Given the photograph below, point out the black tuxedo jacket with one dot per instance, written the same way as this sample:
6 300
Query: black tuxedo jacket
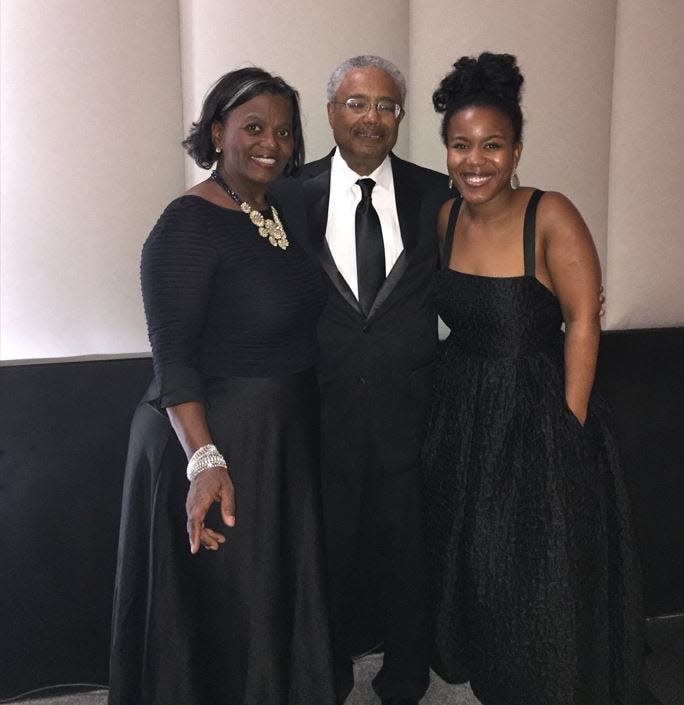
375 371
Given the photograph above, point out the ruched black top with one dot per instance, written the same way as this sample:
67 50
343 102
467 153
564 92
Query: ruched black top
220 301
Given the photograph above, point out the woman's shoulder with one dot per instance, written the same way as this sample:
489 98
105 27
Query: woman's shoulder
192 205
555 204
445 211
184 213
560 225
443 218
184 225
193 212
557 213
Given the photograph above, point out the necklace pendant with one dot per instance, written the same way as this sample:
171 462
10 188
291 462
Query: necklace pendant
257 218
272 229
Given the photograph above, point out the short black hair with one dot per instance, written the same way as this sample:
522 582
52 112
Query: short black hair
490 80
230 91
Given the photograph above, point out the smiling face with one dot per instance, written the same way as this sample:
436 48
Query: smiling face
365 140
481 153
256 143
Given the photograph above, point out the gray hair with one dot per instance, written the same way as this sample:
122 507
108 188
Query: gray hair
362 62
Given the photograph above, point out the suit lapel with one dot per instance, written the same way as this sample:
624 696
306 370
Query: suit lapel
317 196
405 197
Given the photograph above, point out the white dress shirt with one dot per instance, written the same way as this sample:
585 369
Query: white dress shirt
345 195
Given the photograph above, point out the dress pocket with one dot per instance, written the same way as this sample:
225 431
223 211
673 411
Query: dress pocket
574 421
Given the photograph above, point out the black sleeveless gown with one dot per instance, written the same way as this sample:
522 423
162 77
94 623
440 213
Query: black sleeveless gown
534 580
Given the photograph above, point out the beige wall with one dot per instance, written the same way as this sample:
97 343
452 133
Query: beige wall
645 268
91 121
303 43
96 97
565 51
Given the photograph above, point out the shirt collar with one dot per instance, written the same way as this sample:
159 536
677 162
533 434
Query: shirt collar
346 177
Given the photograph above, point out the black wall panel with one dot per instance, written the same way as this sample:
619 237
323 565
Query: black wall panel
642 374
63 438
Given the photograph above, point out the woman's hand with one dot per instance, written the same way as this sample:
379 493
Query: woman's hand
581 416
211 485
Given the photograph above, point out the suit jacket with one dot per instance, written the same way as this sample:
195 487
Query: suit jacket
375 371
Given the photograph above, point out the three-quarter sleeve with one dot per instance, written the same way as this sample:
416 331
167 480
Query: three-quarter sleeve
177 271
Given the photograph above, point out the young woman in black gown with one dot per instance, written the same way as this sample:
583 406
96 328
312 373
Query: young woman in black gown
231 301
534 577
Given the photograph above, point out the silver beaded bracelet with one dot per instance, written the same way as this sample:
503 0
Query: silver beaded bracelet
205 457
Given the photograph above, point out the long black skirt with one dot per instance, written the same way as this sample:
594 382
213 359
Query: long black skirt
248 624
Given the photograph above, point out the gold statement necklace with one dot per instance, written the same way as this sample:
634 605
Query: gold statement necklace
271 229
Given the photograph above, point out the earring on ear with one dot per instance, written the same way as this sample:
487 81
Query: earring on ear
451 183
515 181
217 150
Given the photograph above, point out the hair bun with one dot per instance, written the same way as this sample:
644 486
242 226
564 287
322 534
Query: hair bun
501 73
487 80
488 74
457 82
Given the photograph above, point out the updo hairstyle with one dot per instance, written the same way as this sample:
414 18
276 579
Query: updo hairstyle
231 91
490 80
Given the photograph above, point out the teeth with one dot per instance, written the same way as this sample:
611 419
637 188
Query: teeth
268 161
476 180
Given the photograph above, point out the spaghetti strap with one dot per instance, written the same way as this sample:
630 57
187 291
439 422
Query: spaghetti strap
451 229
529 230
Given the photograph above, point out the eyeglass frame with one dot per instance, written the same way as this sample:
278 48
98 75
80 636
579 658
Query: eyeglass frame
398 110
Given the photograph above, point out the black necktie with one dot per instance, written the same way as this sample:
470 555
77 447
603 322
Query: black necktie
370 248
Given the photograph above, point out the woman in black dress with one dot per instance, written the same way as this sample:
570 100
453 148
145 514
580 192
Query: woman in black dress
535 582
231 301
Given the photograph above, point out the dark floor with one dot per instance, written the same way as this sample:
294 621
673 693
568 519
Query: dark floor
663 677
439 692
664 668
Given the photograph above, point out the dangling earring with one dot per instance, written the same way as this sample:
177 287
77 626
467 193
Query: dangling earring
515 181
451 183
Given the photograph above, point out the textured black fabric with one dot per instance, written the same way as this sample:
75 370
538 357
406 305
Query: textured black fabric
248 624
370 248
534 579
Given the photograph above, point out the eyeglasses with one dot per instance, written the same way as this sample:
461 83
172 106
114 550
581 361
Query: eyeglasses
360 106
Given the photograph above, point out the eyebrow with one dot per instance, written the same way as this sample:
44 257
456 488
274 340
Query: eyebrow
260 116
380 97
496 135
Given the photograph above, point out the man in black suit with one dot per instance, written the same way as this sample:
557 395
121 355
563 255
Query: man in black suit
378 336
